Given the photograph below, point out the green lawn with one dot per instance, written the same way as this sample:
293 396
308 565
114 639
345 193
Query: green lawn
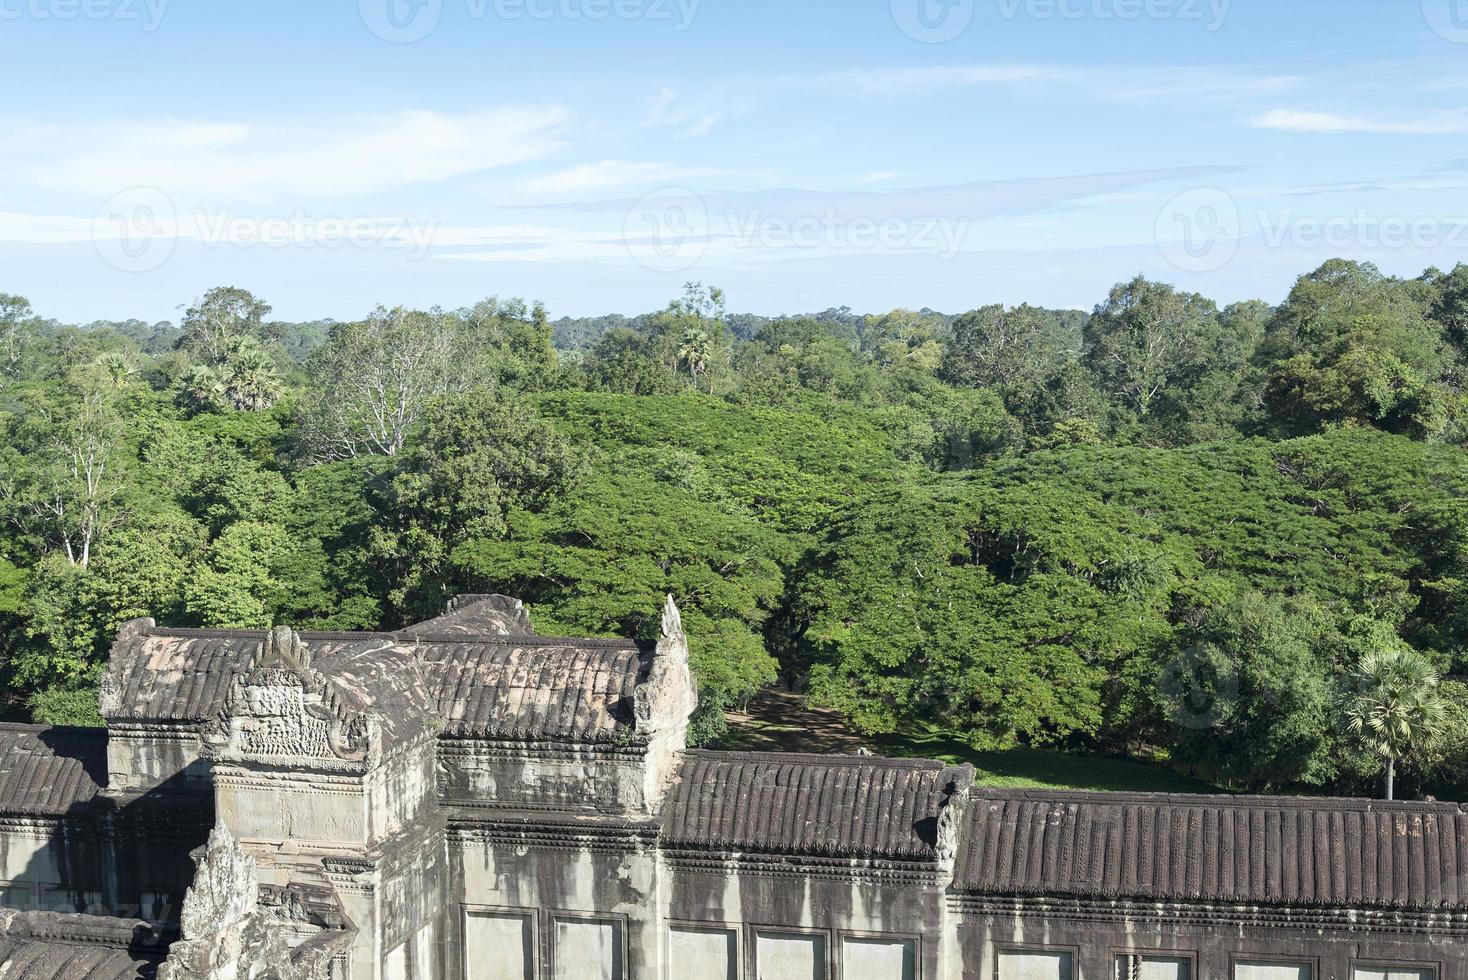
1040 769
783 722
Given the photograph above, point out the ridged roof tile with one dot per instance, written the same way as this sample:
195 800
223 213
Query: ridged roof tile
1257 850
809 805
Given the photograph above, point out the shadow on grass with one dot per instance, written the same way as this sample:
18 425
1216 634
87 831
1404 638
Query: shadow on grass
780 721
1041 769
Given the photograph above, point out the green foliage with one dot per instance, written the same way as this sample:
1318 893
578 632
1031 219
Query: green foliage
75 706
1394 706
1160 528
473 461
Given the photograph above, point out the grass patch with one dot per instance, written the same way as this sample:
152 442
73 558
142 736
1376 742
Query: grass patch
1041 769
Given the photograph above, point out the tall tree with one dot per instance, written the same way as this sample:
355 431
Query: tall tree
1353 346
1395 706
63 483
992 347
374 379
14 312
1146 338
213 325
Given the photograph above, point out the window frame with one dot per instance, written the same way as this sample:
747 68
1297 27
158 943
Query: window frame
1074 950
828 966
466 909
693 925
1371 962
555 917
1235 958
1191 955
915 938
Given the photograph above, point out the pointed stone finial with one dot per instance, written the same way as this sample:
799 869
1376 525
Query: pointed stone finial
283 648
672 620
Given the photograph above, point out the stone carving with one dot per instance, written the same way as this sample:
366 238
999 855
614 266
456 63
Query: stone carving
673 622
668 696
282 710
226 935
950 814
284 649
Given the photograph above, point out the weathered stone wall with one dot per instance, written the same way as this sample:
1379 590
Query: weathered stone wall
103 860
565 777
517 887
1209 941
144 758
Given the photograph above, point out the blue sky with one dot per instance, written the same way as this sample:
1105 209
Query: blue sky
333 155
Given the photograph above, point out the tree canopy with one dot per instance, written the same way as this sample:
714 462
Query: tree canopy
1160 528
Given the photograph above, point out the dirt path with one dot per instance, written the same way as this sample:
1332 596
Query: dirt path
778 721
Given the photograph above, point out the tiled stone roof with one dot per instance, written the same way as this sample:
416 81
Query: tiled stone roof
479 615
49 946
49 771
810 805
520 686
1255 850
532 688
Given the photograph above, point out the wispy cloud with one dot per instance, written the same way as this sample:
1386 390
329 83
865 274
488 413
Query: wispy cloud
223 161
618 174
1298 121
1120 84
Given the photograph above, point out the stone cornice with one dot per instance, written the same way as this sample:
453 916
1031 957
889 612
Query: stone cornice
1209 914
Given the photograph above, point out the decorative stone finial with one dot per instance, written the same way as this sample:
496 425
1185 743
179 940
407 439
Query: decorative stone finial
226 935
672 620
283 648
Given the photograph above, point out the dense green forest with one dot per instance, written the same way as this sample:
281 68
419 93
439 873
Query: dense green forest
1161 529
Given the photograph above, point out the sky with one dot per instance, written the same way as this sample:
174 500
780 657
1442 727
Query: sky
336 155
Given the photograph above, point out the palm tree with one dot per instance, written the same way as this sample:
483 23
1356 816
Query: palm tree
1395 706
695 353
116 368
251 376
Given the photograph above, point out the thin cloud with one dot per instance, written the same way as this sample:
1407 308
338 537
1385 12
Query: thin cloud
1296 121
1119 84
222 161
611 174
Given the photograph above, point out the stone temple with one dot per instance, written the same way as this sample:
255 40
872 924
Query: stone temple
467 799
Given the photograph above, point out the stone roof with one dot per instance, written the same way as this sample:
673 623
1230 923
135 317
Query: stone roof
513 685
813 805
50 771
578 690
52 946
1255 850
479 615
